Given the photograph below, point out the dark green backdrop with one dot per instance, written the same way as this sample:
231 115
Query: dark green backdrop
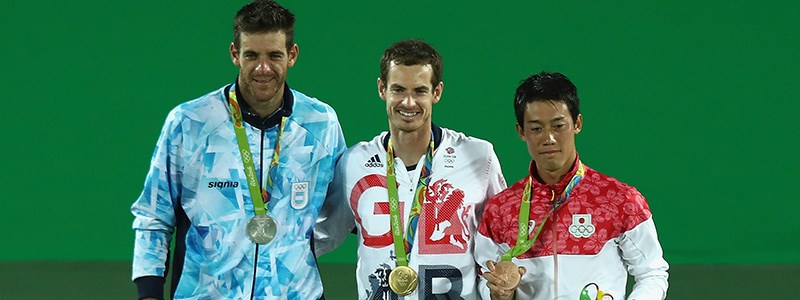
692 102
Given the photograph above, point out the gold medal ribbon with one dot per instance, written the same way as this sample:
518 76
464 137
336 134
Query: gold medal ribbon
402 247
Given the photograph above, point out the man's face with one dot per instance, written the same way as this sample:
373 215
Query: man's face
409 96
263 61
549 132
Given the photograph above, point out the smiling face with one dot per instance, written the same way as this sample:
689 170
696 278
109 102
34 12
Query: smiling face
409 96
549 132
263 62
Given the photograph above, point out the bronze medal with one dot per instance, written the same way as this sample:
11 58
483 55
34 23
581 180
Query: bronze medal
403 280
508 272
261 229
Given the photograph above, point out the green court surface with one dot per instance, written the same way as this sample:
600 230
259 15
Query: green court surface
111 280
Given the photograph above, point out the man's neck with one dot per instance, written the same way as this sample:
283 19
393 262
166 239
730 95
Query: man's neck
556 176
264 108
410 146
551 177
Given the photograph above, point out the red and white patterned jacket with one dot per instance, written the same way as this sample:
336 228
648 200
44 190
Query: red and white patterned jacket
603 232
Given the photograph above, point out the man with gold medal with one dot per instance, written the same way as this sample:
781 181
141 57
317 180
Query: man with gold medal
416 191
565 231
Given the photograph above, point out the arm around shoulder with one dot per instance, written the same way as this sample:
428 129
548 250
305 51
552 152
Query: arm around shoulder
335 221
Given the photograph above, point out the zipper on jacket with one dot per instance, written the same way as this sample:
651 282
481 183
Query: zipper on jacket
553 220
255 260
555 255
255 269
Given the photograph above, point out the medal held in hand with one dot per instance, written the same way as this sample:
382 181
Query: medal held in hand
403 280
508 272
261 229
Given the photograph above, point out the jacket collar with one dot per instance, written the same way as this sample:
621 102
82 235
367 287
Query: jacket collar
437 137
249 116
561 184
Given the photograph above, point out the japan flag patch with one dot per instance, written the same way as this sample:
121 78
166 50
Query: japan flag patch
582 226
299 194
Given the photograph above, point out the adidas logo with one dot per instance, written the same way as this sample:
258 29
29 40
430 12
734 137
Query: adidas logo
374 162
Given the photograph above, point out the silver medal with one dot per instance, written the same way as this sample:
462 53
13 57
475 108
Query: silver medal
261 229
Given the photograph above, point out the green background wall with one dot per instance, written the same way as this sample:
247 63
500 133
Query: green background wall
692 102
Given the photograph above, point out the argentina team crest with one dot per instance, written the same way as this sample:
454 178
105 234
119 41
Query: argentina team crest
299 194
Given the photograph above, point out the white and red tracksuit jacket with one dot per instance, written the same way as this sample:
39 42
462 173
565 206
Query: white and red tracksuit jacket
465 173
603 232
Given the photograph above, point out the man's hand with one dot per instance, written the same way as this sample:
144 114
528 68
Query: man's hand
495 282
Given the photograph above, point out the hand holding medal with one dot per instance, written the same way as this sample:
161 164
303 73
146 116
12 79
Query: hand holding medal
505 274
503 278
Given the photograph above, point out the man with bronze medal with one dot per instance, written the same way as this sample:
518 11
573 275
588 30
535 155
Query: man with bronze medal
416 190
565 229
239 177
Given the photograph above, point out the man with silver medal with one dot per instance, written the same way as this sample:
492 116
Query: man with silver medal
216 184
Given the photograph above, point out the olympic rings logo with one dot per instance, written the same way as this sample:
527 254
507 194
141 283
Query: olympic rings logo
581 226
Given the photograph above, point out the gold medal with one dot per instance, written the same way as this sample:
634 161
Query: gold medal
403 280
508 272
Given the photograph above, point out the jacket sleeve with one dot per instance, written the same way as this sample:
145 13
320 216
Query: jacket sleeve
497 182
643 256
335 219
485 250
154 214
486 245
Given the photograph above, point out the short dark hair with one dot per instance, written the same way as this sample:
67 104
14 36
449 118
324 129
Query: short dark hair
263 16
546 86
412 52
